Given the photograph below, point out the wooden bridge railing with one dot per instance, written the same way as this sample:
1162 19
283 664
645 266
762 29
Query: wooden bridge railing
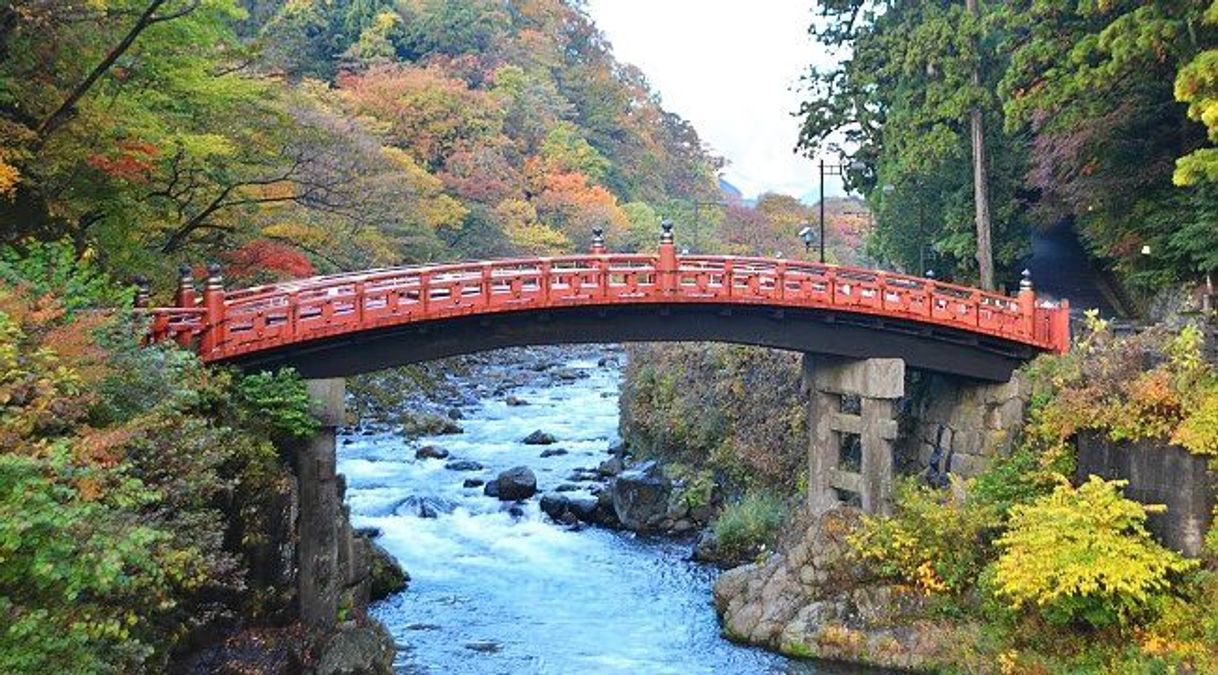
225 324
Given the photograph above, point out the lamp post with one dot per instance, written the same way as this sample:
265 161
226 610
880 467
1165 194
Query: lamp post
827 169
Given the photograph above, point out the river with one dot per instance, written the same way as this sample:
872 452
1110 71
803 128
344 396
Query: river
501 592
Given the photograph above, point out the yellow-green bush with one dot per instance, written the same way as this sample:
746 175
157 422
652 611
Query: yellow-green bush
1083 555
935 540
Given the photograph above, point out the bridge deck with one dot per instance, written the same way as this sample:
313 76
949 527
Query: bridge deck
231 325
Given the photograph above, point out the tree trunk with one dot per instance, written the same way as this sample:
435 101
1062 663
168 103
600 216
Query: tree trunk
981 193
67 107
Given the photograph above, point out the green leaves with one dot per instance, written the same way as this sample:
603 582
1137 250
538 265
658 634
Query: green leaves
277 401
902 94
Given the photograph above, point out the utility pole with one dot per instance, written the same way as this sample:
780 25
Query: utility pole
822 210
981 196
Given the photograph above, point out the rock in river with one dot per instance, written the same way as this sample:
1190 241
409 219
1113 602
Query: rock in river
539 437
553 452
640 496
518 482
385 575
430 452
427 506
463 465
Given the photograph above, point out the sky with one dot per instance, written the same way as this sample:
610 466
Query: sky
732 69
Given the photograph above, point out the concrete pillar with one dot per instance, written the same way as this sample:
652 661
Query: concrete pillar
320 581
835 417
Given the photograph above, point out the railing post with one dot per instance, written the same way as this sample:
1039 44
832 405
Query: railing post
1027 305
185 298
666 268
1061 327
598 241
547 268
213 305
488 277
186 288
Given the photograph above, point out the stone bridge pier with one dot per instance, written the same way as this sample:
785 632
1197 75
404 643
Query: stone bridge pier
332 563
852 424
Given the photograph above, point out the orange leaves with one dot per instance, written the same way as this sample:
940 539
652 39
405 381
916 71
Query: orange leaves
573 206
130 160
422 110
262 257
8 179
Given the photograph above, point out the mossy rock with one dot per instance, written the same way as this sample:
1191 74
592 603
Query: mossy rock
386 576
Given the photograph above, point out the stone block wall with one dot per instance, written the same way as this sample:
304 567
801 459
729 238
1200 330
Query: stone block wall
1158 473
980 420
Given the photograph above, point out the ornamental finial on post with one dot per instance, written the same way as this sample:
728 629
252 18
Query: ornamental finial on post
666 231
598 240
213 306
215 280
1025 281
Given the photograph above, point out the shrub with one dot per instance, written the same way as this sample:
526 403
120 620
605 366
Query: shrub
746 525
936 540
277 402
1083 555
54 268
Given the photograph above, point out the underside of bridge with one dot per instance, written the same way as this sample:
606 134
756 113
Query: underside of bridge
831 333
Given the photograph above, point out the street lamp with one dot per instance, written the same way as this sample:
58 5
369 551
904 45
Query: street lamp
831 170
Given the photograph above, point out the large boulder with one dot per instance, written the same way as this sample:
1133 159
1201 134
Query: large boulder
812 598
640 496
518 482
568 509
427 424
357 650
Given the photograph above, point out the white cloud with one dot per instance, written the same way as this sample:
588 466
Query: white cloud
732 69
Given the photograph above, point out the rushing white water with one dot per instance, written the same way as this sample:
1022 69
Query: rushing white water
497 592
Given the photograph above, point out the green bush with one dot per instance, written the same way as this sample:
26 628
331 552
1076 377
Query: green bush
1083 555
277 402
743 526
54 268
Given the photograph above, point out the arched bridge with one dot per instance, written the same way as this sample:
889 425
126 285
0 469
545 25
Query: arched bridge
340 325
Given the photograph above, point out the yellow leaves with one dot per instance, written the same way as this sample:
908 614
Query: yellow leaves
205 145
1083 554
9 176
1198 432
519 221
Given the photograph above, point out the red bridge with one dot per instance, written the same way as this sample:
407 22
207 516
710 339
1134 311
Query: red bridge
333 326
